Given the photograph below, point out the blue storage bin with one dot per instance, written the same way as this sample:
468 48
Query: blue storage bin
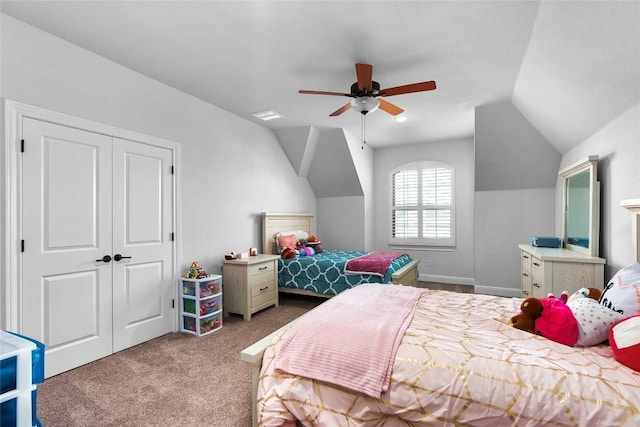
21 368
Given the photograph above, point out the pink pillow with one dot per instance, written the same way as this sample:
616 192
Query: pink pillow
624 338
290 241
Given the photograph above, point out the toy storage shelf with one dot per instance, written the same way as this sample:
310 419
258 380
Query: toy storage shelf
201 304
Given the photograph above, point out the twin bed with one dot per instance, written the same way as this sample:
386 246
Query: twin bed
458 362
324 274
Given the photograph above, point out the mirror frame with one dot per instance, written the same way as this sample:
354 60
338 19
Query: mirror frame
590 164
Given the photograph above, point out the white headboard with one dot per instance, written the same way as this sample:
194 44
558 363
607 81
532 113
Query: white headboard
634 206
273 223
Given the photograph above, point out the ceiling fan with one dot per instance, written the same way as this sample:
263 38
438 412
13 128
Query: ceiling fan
366 93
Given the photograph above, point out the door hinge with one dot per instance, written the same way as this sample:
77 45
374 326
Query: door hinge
172 170
173 303
173 236
22 245
22 145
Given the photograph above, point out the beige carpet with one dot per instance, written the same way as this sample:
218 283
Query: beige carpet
174 380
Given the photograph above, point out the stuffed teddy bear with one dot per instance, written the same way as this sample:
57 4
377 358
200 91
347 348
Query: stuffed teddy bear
551 319
530 310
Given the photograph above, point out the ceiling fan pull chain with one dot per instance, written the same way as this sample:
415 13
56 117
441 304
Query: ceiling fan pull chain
363 131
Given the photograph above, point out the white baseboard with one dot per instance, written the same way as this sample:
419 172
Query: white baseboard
498 291
447 279
470 281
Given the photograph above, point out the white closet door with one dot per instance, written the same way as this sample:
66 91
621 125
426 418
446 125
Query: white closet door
67 230
142 226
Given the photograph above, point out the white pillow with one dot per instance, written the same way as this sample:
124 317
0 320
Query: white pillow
622 293
594 321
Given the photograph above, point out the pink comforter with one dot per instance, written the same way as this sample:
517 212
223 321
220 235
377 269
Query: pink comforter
358 357
376 263
459 363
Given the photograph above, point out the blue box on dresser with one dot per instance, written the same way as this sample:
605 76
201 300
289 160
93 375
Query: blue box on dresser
546 241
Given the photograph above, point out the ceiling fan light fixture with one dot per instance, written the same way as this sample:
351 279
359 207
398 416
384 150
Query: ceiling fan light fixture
365 104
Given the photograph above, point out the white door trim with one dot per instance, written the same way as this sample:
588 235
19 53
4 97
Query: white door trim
10 209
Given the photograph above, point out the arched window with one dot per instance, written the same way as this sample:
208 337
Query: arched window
422 202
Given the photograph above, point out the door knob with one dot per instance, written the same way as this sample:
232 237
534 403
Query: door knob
106 258
118 257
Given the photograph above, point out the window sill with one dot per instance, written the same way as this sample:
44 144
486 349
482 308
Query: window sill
423 247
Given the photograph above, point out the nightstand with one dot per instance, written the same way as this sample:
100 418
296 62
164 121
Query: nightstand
250 284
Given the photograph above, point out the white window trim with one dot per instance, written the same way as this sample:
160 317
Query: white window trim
420 242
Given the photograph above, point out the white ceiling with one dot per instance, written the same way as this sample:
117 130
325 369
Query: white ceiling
570 67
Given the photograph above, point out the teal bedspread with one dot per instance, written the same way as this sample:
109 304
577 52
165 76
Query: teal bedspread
324 273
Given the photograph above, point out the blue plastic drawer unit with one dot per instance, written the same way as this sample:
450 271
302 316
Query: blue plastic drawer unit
21 368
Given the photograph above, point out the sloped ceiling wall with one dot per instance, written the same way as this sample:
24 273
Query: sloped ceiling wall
324 158
581 69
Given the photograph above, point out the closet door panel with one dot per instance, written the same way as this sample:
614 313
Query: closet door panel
142 227
66 227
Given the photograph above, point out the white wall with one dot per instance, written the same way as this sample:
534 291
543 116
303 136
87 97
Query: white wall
618 146
448 266
232 169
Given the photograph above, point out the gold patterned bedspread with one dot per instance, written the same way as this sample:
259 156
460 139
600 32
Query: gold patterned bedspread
459 363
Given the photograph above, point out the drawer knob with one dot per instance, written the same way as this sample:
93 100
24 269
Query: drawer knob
263 268
536 264
525 274
536 285
525 292
264 289
525 256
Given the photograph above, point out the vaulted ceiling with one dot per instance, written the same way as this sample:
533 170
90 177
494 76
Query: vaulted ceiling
570 67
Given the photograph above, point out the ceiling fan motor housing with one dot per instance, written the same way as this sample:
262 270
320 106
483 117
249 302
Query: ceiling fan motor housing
356 92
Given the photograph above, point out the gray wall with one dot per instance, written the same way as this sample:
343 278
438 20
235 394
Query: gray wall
618 146
232 169
516 170
442 265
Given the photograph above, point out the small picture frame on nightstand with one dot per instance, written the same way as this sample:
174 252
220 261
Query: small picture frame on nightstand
253 251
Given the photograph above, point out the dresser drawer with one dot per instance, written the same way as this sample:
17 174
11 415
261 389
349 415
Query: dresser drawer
537 277
525 262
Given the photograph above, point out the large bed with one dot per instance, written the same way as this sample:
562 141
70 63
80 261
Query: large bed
457 362
324 274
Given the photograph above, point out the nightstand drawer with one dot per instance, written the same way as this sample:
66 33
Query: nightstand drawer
263 294
266 267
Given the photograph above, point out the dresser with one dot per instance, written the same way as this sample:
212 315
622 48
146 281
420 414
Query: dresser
553 270
250 284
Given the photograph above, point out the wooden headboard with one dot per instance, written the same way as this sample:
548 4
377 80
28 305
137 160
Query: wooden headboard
273 223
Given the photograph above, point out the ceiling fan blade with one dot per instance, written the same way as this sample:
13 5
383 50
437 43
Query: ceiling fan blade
390 108
364 73
414 87
320 92
341 110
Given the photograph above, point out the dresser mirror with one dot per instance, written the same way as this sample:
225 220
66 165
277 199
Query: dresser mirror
581 206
